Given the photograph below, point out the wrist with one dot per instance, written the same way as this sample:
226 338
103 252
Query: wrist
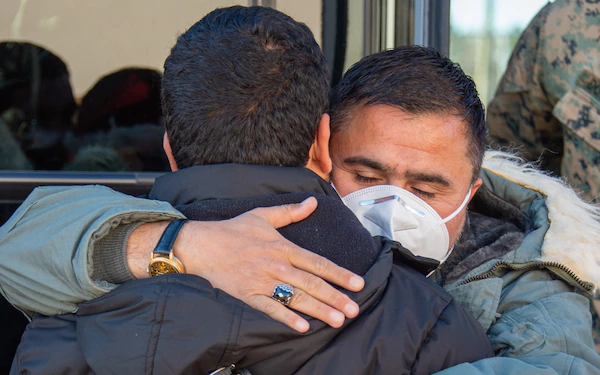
164 261
140 245
193 236
109 255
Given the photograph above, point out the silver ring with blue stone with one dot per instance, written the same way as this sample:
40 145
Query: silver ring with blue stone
283 294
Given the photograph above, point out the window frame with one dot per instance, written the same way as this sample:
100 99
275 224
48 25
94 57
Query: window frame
428 24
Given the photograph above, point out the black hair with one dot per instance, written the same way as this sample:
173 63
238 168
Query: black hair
417 80
244 85
19 61
125 98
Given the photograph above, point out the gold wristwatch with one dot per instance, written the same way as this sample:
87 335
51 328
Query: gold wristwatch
163 262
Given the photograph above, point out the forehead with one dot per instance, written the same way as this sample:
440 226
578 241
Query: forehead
395 122
405 142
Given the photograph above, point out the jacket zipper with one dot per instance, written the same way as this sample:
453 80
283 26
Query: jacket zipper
571 277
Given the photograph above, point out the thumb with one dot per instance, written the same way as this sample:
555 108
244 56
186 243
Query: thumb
280 216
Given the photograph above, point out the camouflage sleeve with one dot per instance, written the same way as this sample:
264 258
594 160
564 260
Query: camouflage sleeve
520 115
579 112
548 101
571 81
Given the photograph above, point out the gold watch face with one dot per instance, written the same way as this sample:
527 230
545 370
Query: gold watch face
162 266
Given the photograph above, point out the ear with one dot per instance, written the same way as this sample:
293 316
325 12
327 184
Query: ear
169 152
476 185
319 160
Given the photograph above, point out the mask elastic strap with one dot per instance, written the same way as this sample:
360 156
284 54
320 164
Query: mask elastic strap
463 204
333 186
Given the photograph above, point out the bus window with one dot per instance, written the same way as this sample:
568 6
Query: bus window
80 83
483 34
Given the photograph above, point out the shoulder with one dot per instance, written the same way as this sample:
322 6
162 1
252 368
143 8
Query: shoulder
442 331
334 232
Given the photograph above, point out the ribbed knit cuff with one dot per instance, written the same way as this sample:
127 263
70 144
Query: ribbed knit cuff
109 258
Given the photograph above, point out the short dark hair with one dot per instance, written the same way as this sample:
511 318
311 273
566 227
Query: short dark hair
417 80
244 85
17 63
125 98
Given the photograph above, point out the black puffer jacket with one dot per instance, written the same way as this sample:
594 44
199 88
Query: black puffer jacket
179 324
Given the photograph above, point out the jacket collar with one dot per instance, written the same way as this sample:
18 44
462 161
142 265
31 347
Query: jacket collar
557 214
244 181
235 181
543 211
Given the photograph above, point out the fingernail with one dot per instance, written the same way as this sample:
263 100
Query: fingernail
302 326
351 309
356 282
304 202
337 317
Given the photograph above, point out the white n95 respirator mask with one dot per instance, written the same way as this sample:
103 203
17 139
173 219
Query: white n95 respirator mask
395 213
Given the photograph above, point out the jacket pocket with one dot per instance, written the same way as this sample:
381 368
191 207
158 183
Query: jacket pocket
579 112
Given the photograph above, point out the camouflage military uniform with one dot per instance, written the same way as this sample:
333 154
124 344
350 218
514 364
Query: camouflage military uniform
548 102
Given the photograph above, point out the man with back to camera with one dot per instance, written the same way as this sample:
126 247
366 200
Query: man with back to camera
510 268
236 141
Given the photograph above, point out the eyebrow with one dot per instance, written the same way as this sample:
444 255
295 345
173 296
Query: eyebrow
427 177
369 163
433 178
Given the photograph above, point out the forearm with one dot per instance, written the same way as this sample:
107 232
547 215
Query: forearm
139 247
59 247
47 246
124 253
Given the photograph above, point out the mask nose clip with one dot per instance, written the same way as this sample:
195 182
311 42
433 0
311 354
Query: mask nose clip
408 207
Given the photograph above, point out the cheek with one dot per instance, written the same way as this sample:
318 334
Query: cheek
455 227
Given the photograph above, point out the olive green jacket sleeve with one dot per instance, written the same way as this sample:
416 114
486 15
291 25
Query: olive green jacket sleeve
55 230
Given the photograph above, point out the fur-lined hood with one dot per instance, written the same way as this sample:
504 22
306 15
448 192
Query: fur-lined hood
573 237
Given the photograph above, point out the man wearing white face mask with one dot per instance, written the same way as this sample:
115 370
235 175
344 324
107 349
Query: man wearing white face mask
402 118
219 109
407 153
392 212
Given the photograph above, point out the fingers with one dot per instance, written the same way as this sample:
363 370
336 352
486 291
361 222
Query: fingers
279 312
305 303
325 269
265 260
317 298
280 216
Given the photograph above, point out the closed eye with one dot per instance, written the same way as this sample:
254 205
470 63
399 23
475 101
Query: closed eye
366 180
422 193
